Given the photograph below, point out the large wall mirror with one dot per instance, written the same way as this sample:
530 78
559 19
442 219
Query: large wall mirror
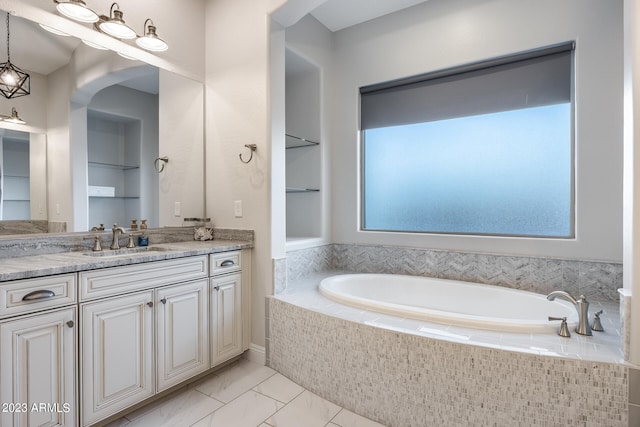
96 123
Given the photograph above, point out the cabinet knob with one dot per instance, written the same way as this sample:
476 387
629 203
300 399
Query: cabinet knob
150 303
163 300
217 288
70 323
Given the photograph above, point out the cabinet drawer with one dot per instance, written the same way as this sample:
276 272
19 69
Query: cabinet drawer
225 262
22 296
111 281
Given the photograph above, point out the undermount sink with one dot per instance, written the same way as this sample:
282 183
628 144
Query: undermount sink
127 251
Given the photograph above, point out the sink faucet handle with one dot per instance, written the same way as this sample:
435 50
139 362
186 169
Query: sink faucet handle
564 329
131 243
96 242
597 324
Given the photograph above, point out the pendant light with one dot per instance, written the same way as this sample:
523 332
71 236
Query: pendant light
13 81
76 10
150 40
114 25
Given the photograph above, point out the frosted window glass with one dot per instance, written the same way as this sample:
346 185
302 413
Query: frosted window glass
507 173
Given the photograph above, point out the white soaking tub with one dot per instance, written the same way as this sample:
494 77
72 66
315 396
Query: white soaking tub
450 302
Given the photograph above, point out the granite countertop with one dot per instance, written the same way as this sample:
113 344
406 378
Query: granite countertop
26 267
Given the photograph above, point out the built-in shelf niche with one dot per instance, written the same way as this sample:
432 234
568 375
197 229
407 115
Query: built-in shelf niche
113 151
292 141
303 149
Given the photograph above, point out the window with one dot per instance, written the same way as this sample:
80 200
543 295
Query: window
486 149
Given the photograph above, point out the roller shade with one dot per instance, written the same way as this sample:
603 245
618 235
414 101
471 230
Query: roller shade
530 79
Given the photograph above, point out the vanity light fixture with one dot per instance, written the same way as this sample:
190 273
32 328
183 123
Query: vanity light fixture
93 45
13 118
54 31
131 58
13 81
76 10
150 40
114 24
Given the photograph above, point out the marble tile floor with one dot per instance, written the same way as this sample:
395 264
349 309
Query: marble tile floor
243 394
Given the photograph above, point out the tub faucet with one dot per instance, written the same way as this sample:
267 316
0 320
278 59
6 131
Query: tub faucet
581 305
115 244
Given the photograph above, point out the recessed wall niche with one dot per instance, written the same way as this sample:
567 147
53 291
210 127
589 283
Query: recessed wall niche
113 153
303 154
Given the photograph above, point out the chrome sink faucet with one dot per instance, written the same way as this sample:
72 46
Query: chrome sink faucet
115 244
581 305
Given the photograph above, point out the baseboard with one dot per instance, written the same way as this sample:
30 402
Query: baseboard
256 353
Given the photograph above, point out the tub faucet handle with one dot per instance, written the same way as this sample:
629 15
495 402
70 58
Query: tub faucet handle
597 324
564 329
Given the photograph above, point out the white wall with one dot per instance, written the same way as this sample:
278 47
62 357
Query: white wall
442 33
38 172
631 264
182 141
237 113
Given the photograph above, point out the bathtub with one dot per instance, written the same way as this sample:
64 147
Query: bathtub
450 302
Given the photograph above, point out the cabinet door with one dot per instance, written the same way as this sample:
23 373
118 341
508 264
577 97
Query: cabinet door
38 370
117 354
226 317
182 332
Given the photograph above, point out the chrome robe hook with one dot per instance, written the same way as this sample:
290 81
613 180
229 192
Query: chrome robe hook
252 147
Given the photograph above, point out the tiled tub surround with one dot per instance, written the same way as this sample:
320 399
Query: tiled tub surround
403 372
402 379
596 280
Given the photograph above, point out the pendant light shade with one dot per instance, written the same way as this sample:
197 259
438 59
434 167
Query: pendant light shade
13 81
76 10
150 40
114 25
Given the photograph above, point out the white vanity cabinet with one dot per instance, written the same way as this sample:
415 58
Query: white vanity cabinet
78 348
38 357
230 305
150 337
226 317
138 344
182 342
117 357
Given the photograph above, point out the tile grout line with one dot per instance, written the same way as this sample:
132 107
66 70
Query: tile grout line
285 404
235 398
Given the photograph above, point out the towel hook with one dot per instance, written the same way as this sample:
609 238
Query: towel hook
160 167
252 147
